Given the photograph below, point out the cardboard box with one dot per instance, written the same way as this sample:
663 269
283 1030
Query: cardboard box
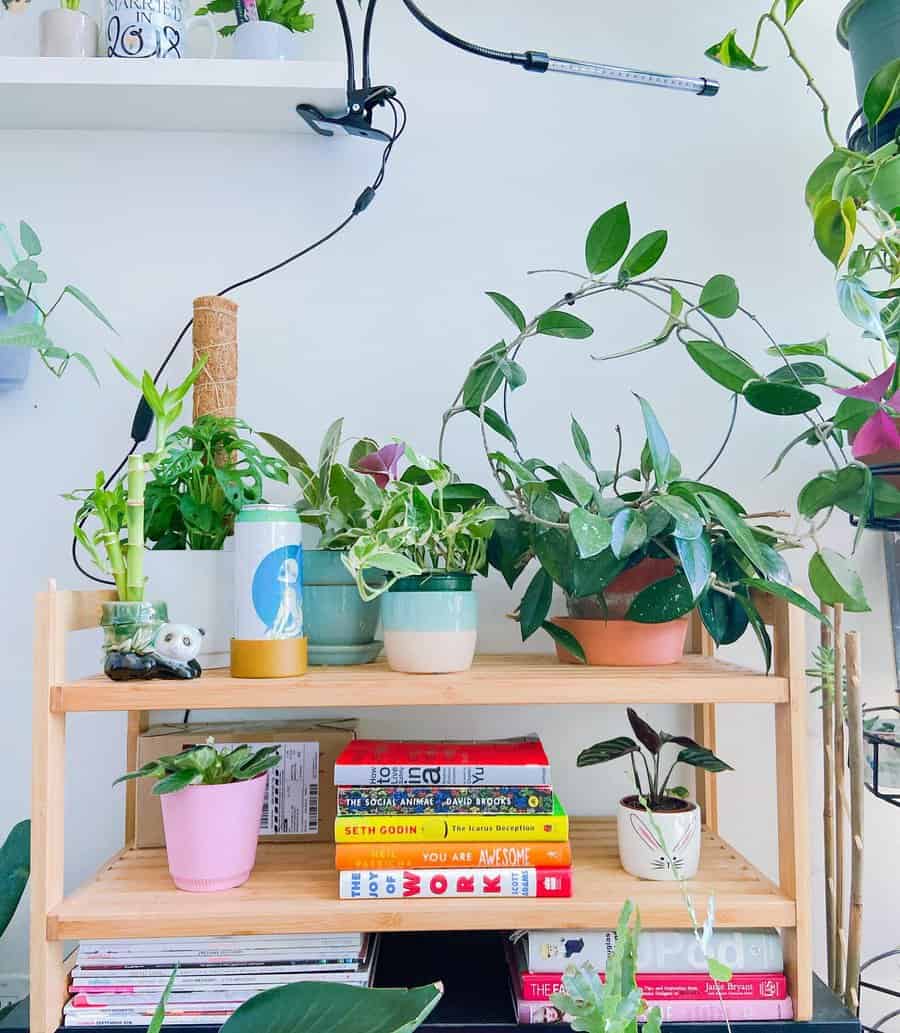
300 794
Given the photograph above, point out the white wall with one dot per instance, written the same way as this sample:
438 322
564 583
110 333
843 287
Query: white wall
500 172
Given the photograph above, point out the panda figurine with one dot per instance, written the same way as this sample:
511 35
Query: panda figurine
173 654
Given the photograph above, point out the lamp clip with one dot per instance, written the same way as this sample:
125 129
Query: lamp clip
357 120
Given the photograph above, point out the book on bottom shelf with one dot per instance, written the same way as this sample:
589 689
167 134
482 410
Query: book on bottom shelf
452 855
531 1013
396 884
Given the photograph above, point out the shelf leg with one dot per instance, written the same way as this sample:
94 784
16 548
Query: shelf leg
794 873
700 643
48 970
138 721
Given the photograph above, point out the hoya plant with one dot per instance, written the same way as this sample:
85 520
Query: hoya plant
116 542
205 764
20 284
342 500
652 782
209 470
614 1004
429 522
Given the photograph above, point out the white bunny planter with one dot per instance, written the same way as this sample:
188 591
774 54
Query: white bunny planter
641 851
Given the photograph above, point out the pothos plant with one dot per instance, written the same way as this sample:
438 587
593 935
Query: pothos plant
116 545
17 292
209 470
288 13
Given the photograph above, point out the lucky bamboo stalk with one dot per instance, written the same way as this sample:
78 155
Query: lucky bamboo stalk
135 523
857 805
110 539
826 641
840 806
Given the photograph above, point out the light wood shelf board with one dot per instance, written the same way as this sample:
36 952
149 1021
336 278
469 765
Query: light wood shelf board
520 680
294 888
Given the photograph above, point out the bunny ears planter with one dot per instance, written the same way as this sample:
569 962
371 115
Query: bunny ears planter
659 845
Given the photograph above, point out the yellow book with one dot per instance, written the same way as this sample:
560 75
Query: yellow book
461 828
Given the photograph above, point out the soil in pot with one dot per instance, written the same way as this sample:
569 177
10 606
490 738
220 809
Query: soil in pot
664 847
608 639
430 623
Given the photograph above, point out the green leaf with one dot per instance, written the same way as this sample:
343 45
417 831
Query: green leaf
722 365
513 373
582 444
729 53
535 603
566 639
15 864
629 532
882 92
563 324
497 424
159 1012
718 970
828 489
29 240
657 443
798 372
780 399
316 1007
392 562
738 529
820 184
835 582
484 378
29 271
696 562
759 628
720 297
723 617
607 239
83 360
26 335
834 224
790 9
508 308
819 347
644 254
126 372
581 489
663 601
783 592
176 781
83 299
610 749
700 757
592 533
852 413
688 522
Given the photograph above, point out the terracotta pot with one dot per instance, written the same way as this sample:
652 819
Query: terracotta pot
624 643
620 592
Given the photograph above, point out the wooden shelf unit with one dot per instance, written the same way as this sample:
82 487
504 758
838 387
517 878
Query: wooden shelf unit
294 887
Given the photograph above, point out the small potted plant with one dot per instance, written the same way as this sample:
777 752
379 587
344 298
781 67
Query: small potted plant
139 641
870 30
658 827
209 469
266 29
431 539
338 503
23 318
212 801
66 31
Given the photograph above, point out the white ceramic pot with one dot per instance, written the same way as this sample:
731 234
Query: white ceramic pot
198 586
643 854
264 41
65 33
430 623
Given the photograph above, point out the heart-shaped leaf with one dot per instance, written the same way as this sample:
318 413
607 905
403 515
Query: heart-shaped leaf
834 224
592 533
729 53
720 297
629 532
882 92
835 581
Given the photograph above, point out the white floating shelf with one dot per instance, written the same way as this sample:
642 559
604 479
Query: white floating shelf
215 95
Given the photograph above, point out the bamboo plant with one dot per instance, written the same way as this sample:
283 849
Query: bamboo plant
118 507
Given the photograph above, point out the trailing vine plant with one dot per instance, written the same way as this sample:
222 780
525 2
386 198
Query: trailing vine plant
721 553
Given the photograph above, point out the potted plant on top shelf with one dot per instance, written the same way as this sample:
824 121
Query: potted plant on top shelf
23 318
67 31
265 29
209 470
431 538
212 800
658 828
139 641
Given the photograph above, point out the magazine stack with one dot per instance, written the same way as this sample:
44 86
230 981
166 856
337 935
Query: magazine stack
120 982
672 973
449 819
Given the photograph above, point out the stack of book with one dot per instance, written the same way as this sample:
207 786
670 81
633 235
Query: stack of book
671 973
449 819
120 982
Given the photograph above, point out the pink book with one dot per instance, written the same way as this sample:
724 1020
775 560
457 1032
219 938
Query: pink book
537 1012
688 986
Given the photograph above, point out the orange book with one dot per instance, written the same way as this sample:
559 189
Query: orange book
355 856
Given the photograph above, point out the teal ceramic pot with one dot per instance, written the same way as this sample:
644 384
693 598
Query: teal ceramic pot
340 626
430 623
15 360
870 29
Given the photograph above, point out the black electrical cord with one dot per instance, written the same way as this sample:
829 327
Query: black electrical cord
143 417
472 48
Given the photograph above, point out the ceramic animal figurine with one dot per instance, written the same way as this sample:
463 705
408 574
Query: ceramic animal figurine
172 653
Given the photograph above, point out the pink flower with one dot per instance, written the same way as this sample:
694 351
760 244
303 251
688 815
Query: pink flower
382 465
872 390
877 433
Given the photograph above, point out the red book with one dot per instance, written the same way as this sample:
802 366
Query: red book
402 884
534 1013
510 762
691 986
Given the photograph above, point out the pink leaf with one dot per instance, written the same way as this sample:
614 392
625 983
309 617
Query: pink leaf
382 465
877 433
873 390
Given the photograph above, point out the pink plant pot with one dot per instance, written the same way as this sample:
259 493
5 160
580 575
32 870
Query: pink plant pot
211 834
